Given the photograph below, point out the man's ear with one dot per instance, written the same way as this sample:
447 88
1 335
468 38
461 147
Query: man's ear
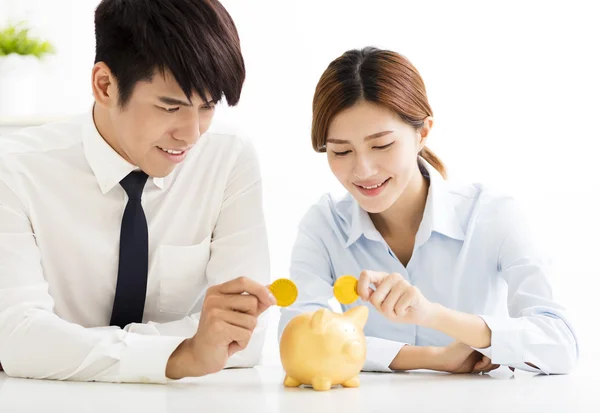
104 86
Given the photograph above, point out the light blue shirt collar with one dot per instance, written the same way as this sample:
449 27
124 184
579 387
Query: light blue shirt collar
439 215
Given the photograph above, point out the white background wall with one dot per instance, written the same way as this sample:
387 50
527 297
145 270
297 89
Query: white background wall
514 86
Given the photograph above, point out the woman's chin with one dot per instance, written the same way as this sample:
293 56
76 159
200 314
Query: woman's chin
373 206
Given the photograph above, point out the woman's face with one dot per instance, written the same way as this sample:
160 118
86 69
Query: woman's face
373 153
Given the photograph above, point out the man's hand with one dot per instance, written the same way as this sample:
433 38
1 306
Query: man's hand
228 318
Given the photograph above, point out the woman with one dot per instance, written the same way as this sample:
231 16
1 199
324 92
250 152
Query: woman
451 276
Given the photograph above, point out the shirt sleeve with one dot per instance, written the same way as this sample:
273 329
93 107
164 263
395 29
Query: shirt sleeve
36 343
537 332
312 273
239 247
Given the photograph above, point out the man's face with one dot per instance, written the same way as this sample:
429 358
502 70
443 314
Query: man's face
158 125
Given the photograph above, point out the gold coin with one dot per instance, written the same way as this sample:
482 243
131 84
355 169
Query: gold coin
345 289
285 291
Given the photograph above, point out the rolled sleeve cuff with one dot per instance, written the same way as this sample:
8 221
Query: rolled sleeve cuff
145 358
380 354
506 344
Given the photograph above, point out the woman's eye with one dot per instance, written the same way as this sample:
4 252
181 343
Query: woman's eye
341 153
384 146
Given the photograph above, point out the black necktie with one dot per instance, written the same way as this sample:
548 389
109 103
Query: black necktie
130 296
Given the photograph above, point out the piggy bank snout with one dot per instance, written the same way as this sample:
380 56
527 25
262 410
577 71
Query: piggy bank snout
354 351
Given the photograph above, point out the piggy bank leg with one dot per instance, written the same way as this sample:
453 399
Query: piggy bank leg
353 382
290 382
321 383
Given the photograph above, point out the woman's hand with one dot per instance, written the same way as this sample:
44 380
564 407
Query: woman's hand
454 358
485 365
460 358
395 298
457 358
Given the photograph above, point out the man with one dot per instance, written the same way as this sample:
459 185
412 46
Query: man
132 244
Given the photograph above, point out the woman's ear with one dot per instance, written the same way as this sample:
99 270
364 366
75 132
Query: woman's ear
424 132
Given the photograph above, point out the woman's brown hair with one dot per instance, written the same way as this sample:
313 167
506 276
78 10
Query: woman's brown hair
379 76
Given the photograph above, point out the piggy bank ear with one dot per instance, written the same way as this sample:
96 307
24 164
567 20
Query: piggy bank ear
359 315
320 319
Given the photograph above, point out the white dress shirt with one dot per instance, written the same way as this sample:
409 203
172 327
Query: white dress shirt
61 207
473 253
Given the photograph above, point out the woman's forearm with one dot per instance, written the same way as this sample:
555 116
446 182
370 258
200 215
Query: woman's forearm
415 358
466 328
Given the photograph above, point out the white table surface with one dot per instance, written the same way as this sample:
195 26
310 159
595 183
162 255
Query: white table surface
260 390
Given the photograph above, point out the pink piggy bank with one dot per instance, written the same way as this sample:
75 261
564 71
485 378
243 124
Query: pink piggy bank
324 349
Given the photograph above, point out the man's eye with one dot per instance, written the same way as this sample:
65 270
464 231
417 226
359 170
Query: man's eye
170 110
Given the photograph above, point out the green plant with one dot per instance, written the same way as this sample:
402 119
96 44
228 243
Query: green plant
16 39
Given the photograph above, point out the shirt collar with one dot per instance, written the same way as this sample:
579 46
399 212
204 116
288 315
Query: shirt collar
439 215
361 224
108 166
440 212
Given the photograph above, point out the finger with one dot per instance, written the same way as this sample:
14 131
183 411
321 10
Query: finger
244 303
262 307
362 288
234 348
482 364
365 279
471 360
236 334
404 302
238 319
387 307
239 344
382 291
490 368
246 285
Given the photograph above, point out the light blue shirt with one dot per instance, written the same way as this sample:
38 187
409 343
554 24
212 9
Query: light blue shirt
473 253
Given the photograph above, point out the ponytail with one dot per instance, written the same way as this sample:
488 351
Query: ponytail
434 161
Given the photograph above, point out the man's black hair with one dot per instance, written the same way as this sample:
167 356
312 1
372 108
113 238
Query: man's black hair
195 40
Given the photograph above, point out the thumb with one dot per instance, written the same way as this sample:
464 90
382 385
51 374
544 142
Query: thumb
481 364
366 278
234 347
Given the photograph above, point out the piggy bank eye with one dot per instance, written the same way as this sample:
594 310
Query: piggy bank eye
349 329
